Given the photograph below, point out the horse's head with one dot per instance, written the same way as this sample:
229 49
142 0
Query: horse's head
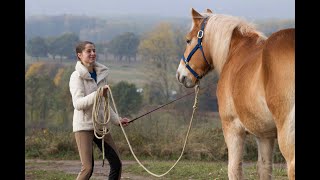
195 62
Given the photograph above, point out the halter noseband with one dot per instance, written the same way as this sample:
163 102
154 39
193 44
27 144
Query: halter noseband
198 46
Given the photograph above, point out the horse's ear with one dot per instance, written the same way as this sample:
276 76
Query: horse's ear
209 11
195 15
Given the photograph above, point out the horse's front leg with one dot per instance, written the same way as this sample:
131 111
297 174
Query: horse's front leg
234 135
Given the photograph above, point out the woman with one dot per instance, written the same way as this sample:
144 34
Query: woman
88 76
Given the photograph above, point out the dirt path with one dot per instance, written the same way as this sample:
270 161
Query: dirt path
73 166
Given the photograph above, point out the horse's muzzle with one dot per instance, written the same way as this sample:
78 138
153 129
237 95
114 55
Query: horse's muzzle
187 82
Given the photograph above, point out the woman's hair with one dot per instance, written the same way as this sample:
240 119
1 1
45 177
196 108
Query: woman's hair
81 46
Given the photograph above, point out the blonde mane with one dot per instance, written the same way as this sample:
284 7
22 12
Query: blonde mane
220 33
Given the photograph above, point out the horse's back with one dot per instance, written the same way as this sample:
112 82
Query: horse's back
279 73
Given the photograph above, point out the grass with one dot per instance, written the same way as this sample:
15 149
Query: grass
198 170
183 170
133 73
191 170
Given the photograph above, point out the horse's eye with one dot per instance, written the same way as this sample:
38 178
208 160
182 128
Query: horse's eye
188 41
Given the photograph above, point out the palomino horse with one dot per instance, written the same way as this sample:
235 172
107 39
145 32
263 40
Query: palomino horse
256 86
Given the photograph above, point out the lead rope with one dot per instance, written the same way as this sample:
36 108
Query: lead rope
185 141
100 128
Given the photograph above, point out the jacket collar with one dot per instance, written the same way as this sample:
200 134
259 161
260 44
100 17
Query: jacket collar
101 70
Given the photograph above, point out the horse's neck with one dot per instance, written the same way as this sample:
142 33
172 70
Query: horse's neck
241 45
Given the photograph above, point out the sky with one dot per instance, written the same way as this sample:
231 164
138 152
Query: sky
250 9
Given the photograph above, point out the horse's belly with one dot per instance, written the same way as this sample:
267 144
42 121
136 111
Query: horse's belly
260 127
253 112
261 124
258 122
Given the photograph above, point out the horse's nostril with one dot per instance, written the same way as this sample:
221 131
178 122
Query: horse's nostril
183 78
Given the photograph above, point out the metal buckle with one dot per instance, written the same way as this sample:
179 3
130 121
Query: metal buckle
200 34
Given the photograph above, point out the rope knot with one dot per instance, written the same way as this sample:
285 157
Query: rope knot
196 89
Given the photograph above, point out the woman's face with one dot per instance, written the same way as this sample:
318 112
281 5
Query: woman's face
88 55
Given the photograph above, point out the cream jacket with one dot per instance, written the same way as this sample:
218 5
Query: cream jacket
83 89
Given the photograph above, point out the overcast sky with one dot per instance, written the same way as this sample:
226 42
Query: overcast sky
251 9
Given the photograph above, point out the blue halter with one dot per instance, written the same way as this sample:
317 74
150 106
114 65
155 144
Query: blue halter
198 46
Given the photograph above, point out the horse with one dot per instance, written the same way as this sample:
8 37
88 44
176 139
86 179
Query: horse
255 87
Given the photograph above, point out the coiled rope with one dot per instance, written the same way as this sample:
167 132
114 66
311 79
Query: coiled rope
106 120
100 127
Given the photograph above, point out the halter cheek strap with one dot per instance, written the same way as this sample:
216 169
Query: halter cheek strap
198 46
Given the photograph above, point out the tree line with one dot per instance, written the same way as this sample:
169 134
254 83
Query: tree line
124 46
103 29
56 36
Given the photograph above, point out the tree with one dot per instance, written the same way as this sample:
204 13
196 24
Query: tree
180 41
124 45
39 91
62 105
131 48
47 97
158 49
126 97
102 49
37 47
53 47
64 45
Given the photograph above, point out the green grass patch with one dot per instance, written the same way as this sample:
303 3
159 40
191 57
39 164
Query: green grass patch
197 170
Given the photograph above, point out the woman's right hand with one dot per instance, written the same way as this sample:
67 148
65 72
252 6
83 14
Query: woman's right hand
105 90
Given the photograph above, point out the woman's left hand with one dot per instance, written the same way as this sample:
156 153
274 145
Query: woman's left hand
124 122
